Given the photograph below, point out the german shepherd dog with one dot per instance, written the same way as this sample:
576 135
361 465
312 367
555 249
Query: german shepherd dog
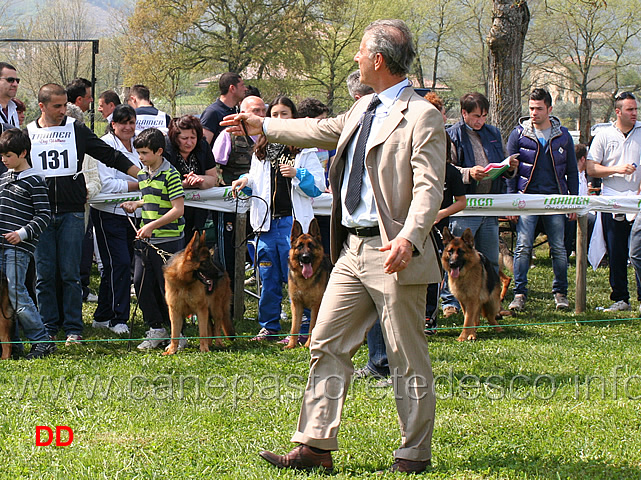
6 314
473 282
309 270
194 284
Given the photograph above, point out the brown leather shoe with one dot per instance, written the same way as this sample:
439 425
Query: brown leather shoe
409 466
300 458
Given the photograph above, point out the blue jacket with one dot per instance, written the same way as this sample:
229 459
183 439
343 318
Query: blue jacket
492 144
560 148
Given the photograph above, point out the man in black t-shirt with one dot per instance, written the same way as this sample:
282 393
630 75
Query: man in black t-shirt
232 91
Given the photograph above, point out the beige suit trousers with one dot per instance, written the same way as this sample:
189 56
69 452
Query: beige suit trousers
358 293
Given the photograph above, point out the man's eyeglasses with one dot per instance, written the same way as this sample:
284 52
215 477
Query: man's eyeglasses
625 96
11 79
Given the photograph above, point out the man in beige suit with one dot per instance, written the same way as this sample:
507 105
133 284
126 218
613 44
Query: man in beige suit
383 210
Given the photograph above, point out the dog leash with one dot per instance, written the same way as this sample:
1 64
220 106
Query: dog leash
162 253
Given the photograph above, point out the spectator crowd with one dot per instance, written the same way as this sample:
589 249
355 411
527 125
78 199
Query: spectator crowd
52 169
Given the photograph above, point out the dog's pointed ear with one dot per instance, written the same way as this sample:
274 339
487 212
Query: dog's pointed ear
447 236
202 237
297 230
468 237
193 243
314 229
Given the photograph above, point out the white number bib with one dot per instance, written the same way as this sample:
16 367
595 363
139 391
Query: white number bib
53 149
158 121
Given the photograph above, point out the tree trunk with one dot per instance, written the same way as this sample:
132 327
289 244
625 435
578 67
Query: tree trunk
418 71
505 42
585 115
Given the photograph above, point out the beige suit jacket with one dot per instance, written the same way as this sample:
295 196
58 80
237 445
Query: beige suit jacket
405 164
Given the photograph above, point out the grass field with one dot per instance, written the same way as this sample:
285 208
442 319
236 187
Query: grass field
558 401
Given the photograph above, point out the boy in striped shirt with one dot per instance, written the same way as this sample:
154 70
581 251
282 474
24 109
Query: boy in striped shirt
162 226
24 214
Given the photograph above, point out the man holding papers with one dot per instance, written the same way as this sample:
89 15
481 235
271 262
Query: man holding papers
477 146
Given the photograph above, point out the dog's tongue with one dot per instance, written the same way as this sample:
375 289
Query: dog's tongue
454 272
308 271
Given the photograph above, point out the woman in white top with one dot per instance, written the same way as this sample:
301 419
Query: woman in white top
114 233
286 179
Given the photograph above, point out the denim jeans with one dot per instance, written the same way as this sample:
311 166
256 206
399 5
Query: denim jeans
58 252
377 352
14 264
554 228
273 252
486 241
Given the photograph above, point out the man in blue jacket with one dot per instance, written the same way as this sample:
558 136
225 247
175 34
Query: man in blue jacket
477 144
547 166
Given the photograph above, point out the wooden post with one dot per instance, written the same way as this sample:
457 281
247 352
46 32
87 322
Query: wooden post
581 262
239 273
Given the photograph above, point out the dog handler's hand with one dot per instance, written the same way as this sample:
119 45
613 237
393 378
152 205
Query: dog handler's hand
253 124
144 232
129 207
400 254
237 185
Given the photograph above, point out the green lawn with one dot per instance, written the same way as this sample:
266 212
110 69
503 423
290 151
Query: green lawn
535 402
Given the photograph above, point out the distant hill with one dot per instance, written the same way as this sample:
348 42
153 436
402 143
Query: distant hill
23 10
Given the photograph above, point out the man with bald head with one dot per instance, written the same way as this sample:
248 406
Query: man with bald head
58 147
233 155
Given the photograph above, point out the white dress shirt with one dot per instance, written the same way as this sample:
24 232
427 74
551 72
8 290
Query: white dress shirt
365 214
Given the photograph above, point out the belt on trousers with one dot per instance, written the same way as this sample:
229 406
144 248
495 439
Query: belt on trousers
365 231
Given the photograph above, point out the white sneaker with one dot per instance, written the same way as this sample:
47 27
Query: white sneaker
120 328
518 304
182 343
91 298
73 340
100 324
561 301
619 306
154 338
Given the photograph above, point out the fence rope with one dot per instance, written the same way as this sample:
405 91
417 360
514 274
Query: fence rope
454 327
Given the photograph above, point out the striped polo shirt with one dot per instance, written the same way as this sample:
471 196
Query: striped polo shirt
157 193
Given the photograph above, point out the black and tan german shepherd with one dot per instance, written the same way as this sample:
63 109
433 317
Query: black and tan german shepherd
472 280
194 284
309 270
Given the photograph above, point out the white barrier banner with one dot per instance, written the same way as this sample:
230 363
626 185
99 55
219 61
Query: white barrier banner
521 204
221 199
216 198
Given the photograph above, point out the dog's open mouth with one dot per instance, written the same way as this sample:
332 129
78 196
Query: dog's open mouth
308 270
454 272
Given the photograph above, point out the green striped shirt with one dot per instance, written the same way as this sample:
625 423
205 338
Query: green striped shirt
157 193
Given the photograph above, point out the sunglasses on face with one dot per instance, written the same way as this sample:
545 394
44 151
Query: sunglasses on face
11 79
